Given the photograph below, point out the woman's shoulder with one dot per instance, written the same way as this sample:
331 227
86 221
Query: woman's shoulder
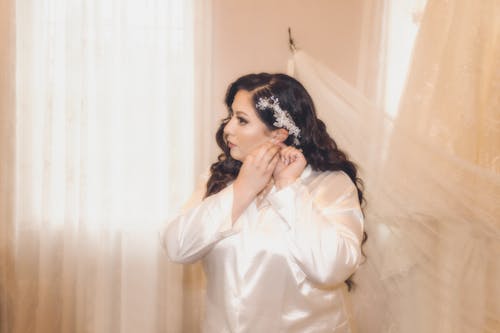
332 176
335 182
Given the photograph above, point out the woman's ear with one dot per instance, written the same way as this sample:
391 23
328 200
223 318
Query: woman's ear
280 134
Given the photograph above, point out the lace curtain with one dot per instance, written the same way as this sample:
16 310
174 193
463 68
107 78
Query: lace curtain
101 149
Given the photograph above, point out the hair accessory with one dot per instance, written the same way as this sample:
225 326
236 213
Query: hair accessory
283 118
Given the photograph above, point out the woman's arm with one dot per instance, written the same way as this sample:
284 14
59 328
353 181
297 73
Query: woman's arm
189 236
326 227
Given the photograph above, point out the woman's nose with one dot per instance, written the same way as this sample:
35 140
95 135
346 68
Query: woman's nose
228 129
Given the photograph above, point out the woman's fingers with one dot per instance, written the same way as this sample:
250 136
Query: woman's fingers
272 164
266 153
260 151
289 154
258 168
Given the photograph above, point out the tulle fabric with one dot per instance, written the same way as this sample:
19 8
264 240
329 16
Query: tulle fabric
431 177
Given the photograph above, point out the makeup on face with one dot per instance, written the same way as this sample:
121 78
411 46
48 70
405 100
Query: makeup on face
245 131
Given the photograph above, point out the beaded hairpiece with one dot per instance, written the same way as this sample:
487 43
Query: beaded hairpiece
283 118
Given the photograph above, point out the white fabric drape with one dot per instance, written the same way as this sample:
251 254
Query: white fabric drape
431 175
105 151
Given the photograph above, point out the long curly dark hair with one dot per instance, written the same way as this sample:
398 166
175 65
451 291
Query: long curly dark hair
319 149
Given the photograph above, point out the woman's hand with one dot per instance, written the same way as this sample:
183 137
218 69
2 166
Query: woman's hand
258 167
255 173
290 166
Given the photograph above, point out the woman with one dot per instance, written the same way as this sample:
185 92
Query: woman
280 228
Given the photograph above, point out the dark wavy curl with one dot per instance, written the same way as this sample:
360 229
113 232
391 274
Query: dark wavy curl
319 149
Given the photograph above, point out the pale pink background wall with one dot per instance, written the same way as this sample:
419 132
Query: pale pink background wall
251 36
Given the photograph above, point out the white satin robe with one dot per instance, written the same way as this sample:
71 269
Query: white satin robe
281 267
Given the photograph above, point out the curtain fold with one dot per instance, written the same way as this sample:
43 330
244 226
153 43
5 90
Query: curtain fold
453 83
452 105
7 163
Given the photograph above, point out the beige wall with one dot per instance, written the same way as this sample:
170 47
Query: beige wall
251 36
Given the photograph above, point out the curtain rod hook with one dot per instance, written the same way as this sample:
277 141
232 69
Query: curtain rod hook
291 42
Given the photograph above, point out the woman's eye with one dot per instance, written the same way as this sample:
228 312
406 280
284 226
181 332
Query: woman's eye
242 121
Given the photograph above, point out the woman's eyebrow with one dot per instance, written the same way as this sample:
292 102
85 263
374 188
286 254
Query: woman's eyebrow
241 113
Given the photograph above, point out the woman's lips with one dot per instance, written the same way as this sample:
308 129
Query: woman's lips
231 145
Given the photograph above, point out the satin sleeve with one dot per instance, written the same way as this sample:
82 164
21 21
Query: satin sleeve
190 235
325 227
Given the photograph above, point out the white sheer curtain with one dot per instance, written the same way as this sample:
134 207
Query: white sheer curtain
431 174
104 149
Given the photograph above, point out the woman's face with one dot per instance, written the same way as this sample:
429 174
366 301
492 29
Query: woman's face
245 131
